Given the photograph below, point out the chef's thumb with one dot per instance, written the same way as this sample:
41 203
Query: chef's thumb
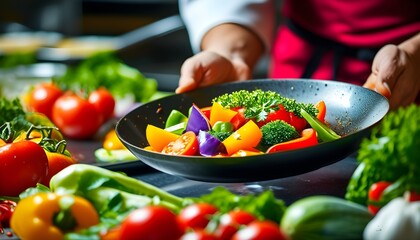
386 68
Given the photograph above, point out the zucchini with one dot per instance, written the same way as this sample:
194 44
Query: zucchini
325 217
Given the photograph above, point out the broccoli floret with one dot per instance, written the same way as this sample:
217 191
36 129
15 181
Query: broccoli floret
277 132
220 135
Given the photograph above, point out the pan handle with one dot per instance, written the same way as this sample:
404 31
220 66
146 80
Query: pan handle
154 30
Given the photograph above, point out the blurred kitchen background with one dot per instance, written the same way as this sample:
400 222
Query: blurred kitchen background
148 34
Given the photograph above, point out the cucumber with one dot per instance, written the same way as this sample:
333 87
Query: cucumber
111 156
325 217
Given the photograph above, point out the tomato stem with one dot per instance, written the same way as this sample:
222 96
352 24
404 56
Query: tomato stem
6 132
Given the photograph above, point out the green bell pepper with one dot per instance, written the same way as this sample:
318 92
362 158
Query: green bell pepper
105 187
325 134
174 118
222 127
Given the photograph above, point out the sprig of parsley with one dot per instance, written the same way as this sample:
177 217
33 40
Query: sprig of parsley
10 109
258 103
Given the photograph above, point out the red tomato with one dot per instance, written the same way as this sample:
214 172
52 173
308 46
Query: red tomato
413 196
103 101
260 230
76 117
7 207
186 144
230 223
22 165
375 193
42 98
198 235
196 216
151 222
56 163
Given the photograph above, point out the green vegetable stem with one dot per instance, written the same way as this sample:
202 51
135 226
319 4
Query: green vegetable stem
104 187
325 133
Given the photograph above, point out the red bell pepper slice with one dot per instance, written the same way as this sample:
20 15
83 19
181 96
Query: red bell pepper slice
308 138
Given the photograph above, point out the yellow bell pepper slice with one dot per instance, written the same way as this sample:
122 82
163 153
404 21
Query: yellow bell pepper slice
50 216
219 113
246 137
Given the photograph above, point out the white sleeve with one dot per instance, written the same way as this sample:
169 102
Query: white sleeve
200 16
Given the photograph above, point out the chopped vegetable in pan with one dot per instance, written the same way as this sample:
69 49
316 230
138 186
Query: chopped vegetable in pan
253 122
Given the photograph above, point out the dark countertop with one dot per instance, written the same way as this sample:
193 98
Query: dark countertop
328 180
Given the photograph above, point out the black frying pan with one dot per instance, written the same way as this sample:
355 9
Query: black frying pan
351 110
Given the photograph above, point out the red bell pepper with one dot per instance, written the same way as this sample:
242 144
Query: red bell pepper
308 138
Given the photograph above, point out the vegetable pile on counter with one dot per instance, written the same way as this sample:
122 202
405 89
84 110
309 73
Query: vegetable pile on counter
32 149
116 206
242 123
89 202
389 162
387 178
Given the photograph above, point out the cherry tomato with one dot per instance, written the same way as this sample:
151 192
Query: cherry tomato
76 117
186 144
413 196
56 163
375 193
103 101
151 222
198 235
7 207
230 223
42 98
196 216
22 165
260 230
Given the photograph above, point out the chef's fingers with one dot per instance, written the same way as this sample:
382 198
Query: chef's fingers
386 69
191 75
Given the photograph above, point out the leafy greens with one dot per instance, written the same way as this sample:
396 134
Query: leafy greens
106 70
391 154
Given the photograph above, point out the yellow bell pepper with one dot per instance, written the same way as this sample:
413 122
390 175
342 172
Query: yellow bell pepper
112 142
50 216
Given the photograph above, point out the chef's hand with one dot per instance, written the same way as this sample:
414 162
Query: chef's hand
396 75
208 68
229 53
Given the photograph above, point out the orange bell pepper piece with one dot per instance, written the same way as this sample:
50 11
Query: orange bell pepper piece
246 137
322 110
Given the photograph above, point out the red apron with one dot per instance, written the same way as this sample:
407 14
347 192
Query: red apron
337 40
